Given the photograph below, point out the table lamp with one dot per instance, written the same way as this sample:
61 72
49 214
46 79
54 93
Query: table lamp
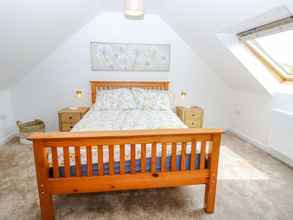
183 96
78 95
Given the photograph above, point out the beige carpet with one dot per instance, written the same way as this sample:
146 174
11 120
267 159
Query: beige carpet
252 186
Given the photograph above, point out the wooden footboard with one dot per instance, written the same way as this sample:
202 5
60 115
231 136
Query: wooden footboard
204 141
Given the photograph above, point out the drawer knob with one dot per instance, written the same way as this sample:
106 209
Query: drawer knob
70 117
193 115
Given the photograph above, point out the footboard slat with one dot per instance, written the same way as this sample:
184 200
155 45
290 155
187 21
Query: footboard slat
55 162
122 159
203 155
77 161
133 162
163 157
143 158
183 156
174 157
111 160
66 161
100 160
89 159
192 155
154 157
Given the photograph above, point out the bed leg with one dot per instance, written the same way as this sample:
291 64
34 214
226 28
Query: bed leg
210 197
46 205
41 165
211 185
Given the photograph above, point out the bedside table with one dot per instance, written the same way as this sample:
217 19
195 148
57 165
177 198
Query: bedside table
69 117
191 116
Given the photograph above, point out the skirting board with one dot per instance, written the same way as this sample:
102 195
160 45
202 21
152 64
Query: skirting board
6 139
275 154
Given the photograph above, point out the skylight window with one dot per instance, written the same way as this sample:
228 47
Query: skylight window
273 45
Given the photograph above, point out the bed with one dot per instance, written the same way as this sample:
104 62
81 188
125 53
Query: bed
111 150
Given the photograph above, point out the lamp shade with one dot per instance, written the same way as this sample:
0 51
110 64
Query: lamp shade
134 8
183 94
78 94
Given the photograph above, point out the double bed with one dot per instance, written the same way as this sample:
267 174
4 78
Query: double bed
124 149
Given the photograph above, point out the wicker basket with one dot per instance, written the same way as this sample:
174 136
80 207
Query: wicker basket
27 128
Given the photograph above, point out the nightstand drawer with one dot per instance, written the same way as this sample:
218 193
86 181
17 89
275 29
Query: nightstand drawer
194 124
70 117
67 126
193 116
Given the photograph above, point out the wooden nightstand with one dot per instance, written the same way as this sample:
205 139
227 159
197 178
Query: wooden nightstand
191 116
69 117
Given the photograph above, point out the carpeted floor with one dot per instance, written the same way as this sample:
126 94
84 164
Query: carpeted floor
252 186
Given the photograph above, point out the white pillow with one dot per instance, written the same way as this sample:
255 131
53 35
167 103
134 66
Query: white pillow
148 99
114 99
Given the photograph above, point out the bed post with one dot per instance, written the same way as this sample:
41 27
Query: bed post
210 187
41 164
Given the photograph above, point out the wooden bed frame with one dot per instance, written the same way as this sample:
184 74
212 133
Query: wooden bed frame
53 185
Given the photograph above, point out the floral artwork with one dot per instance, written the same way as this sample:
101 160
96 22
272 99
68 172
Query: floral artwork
130 57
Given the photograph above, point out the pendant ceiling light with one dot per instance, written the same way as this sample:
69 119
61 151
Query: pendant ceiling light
134 8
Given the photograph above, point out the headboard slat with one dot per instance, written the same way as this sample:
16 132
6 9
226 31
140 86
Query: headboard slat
95 85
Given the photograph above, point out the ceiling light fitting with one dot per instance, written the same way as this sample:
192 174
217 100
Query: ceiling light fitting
134 8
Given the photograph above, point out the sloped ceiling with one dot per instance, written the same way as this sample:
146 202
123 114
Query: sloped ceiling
31 29
199 23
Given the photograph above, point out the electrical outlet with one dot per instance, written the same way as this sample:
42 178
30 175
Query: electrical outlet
237 112
3 117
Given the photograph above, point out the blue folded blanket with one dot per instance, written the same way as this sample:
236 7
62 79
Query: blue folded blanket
128 166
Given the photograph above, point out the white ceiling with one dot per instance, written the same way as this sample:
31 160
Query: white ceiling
199 23
31 29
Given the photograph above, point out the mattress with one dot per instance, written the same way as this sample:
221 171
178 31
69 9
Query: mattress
124 120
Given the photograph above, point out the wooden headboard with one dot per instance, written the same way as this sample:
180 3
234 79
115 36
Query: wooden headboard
95 85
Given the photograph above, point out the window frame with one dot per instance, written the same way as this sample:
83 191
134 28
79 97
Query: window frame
274 68
249 37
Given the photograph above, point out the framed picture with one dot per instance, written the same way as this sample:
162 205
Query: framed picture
130 57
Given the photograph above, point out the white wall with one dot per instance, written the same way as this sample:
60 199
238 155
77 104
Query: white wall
7 123
251 116
263 118
283 102
264 122
50 85
282 139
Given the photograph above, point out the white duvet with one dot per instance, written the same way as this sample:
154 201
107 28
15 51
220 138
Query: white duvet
128 120
123 120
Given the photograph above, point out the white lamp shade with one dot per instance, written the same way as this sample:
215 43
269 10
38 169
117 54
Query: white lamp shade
134 7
